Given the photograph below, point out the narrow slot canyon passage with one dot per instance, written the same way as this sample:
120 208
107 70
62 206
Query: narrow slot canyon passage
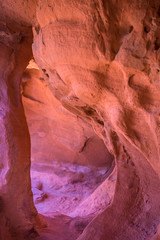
79 120
72 172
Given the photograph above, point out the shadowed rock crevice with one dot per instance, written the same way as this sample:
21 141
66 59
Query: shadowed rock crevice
18 213
100 62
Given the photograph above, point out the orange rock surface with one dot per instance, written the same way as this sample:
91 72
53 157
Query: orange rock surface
101 61
57 134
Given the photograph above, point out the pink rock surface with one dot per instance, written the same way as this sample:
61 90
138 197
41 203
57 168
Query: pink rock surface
101 60
102 55
71 189
17 211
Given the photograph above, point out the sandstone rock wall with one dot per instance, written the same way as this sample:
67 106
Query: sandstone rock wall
17 212
101 59
57 134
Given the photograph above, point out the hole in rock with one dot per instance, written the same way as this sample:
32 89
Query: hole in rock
147 29
71 169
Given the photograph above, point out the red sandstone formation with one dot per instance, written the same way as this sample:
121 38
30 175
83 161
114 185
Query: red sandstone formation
101 60
57 134
60 144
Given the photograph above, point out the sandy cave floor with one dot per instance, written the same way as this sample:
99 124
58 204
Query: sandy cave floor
59 191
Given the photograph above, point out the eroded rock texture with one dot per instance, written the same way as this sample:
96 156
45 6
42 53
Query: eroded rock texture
17 212
57 134
16 203
101 60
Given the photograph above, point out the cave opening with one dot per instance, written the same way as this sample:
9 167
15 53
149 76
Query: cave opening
72 172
